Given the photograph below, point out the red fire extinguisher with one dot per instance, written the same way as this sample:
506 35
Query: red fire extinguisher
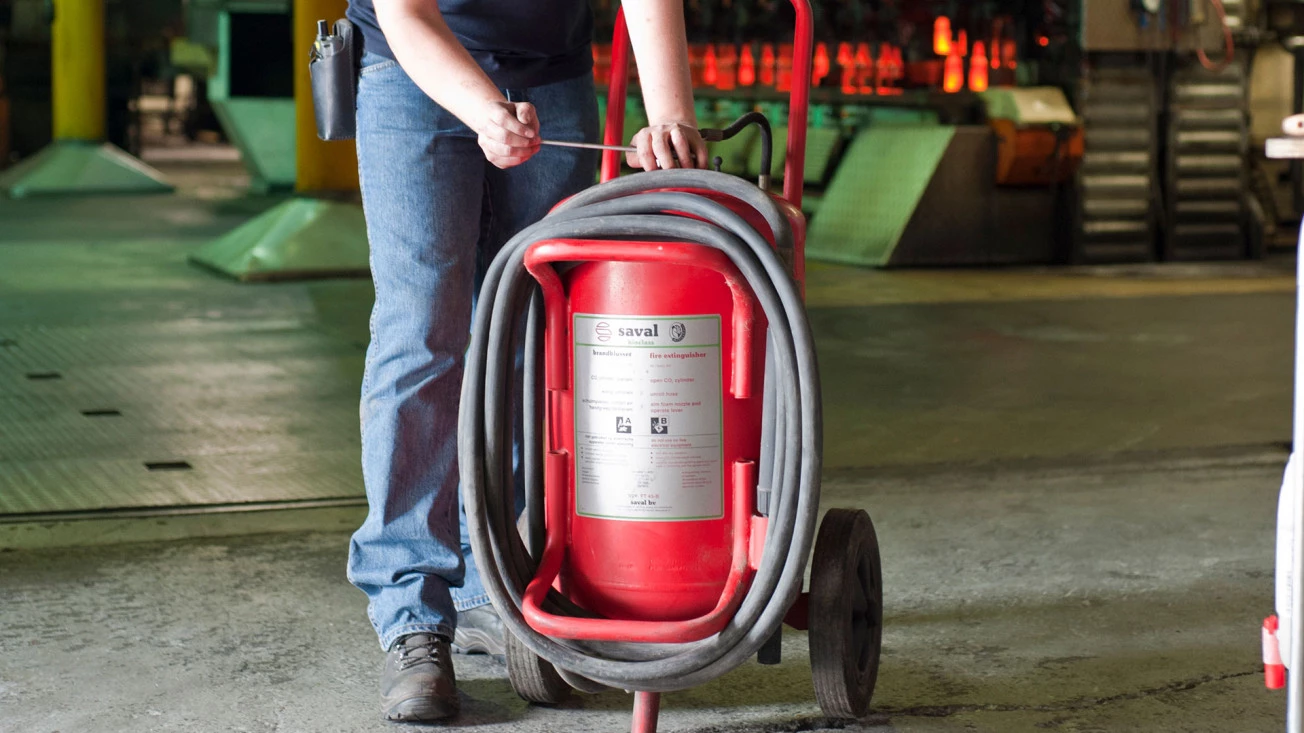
666 322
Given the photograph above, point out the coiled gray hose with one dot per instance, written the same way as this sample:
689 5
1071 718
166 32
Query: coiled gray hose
637 207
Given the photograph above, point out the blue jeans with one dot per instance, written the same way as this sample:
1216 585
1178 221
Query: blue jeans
437 212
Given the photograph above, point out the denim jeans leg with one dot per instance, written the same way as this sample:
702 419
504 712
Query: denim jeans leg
521 196
423 183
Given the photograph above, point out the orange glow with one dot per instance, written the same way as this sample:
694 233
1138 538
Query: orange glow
847 62
727 56
883 69
864 69
695 64
599 77
747 68
897 71
821 64
783 75
962 43
942 36
978 68
844 55
710 71
1010 52
767 65
953 77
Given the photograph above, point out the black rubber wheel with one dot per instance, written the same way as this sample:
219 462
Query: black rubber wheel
534 679
846 613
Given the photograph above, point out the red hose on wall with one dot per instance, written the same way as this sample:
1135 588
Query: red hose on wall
1229 45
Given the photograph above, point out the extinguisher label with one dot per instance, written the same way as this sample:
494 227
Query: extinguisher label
648 417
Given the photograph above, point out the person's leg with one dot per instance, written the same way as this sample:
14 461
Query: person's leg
521 196
423 180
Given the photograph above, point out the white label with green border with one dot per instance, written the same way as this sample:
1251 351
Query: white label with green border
647 417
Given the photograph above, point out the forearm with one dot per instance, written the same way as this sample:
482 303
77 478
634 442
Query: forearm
656 29
435 60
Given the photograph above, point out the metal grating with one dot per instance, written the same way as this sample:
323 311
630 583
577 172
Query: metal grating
154 386
1206 165
1115 217
86 485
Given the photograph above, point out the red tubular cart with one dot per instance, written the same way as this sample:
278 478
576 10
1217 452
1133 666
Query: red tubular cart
672 565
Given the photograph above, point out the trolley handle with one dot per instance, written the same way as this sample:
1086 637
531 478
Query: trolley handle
767 141
798 100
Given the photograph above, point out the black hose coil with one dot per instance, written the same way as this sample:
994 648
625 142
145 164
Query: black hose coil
638 207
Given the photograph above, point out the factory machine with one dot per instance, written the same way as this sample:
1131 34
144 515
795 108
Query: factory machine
239 54
1165 103
942 132
999 132
135 52
244 51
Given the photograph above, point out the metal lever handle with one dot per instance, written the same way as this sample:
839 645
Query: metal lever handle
590 146
710 136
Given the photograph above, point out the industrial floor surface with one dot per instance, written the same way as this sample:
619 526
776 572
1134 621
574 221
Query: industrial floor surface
1073 473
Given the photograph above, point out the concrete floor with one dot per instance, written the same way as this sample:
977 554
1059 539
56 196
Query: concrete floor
1092 597
1073 474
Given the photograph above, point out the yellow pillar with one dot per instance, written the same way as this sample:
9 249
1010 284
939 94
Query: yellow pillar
79 161
319 166
78 70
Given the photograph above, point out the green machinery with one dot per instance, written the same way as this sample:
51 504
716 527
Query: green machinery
917 192
889 184
244 48
871 167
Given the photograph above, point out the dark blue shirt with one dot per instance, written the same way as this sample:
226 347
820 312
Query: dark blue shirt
519 43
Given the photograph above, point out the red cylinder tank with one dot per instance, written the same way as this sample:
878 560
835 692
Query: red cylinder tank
654 432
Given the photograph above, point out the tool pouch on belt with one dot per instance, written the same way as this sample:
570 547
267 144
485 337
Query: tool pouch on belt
334 70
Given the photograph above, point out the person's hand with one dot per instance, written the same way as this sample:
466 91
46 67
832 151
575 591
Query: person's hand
669 145
508 132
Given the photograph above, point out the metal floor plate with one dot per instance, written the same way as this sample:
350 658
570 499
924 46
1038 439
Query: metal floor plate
133 382
255 387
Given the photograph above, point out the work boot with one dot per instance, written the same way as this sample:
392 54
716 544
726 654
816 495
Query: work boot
418 683
479 631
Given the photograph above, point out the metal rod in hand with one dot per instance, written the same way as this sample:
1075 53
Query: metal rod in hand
591 146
